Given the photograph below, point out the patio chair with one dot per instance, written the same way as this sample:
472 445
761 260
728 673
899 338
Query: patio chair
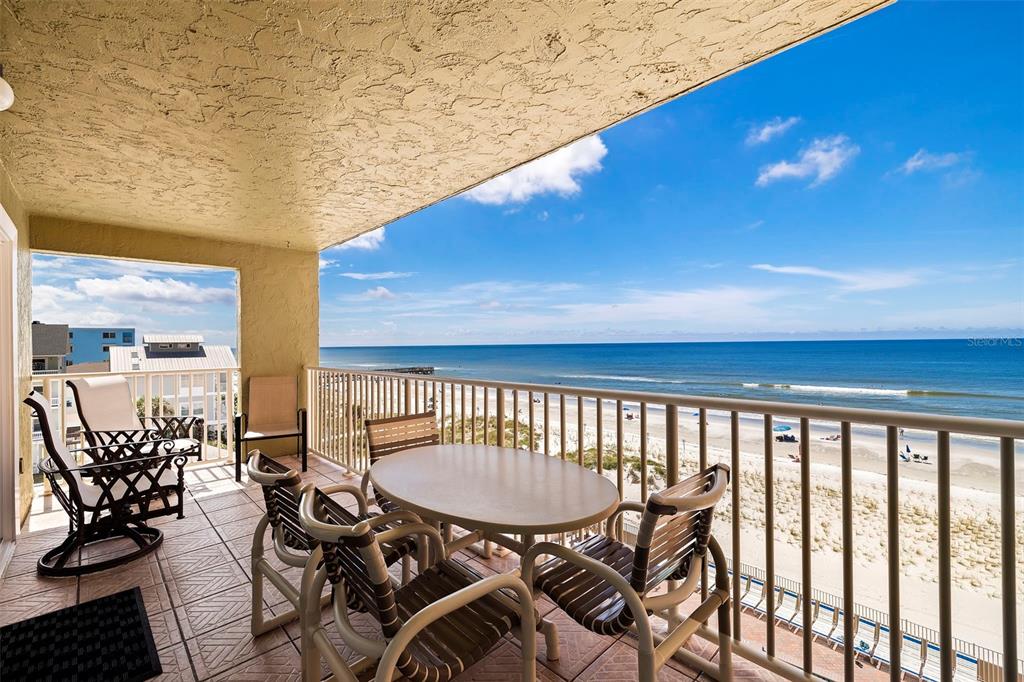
395 434
788 606
826 618
291 543
274 413
111 495
109 416
753 597
607 587
432 629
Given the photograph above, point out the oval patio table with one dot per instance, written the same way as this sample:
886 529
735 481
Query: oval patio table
497 491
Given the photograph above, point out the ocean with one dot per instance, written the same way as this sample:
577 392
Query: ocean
966 377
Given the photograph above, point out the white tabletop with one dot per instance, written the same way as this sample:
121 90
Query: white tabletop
501 490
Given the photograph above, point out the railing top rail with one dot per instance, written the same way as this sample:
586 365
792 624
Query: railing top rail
977 426
161 372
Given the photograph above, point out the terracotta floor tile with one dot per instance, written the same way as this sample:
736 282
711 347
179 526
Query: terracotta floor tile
277 665
164 627
619 662
144 572
176 666
235 513
504 663
215 611
18 586
189 524
578 646
190 587
229 646
242 528
213 502
197 561
182 544
37 603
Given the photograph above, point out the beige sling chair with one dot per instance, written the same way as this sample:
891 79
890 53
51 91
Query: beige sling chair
273 413
110 416
293 545
395 434
432 629
608 587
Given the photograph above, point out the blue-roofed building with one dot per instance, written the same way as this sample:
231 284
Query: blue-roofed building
92 344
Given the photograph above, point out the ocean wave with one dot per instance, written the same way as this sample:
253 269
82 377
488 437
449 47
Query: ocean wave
858 390
628 379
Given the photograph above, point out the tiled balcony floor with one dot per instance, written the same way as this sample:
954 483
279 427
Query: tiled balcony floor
196 588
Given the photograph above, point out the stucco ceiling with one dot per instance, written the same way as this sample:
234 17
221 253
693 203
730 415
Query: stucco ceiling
307 123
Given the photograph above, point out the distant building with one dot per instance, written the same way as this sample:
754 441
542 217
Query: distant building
50 348
93 344
170 353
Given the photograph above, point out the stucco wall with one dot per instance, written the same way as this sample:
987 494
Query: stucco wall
279 305
12 203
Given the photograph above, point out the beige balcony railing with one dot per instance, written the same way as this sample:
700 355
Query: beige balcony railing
920 575
208 393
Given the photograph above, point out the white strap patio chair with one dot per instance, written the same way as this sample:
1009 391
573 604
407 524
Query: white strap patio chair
274 413
110 416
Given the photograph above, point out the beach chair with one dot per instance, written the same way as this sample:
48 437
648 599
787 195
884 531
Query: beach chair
609 588
754 595
274 413
879 653
109 416
932 670
762 609
913 655
826 618
432 629
395 434
797 621
839 631
744 588
788 606
965 668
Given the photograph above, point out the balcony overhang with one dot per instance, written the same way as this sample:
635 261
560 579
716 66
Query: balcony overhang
303 126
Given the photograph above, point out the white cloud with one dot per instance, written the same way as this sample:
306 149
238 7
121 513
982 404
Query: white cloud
822 160
372 276
368 241
543 216
760 134
169 290
557 173
865 280
924 160
379 292
325 263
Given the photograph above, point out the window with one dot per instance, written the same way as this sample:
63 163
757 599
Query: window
71 335
164 346
71 349
106 349
109 335
126 337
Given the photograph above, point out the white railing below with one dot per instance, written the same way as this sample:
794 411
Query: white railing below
643 441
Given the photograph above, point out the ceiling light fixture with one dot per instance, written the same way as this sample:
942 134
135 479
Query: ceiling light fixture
6 93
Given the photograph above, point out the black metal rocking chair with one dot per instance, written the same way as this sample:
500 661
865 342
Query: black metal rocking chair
111 495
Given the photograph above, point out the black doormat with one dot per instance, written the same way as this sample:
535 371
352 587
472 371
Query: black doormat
104 639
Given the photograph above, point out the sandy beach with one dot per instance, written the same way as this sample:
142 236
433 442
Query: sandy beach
975 505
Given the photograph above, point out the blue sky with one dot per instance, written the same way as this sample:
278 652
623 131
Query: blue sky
867 183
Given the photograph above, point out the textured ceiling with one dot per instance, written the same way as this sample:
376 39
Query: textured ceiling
307 123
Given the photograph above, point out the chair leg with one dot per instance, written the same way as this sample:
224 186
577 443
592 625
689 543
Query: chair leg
304 443
238 449
406 569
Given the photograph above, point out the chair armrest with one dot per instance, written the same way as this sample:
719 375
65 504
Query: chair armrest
391 517
351 490
429 533
442 607
126 451
627 506
602 571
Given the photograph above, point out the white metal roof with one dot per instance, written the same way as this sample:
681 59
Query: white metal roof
172 338
134 359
